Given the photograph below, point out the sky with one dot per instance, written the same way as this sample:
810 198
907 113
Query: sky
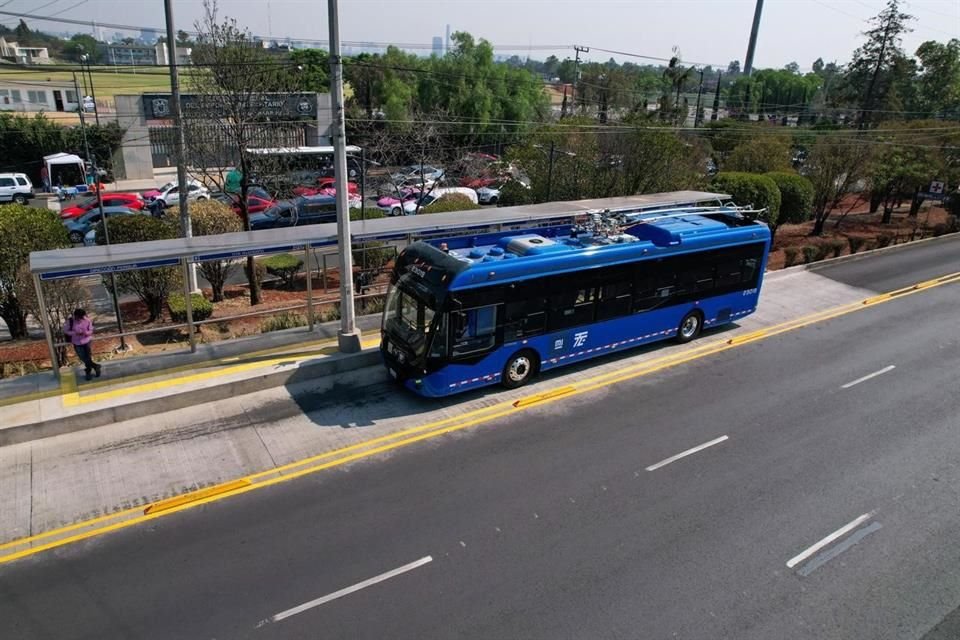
705 31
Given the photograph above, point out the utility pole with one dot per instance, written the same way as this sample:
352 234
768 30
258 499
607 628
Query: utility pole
752 46
576 72
103 215
349 337
696 114
176 110
85 60
716 98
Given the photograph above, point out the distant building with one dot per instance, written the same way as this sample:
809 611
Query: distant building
12 51
149 36
141 55
34 96
144 55
438 46
447 47
183 54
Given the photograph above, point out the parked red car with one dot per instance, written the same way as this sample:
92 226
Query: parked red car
127 200
322 185
257 200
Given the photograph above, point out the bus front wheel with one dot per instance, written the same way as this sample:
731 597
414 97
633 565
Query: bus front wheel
690 327
520 369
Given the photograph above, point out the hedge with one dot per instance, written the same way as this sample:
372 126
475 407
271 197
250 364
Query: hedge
284 266
751 189
796 197
200 307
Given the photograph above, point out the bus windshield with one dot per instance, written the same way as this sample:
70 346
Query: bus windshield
408 319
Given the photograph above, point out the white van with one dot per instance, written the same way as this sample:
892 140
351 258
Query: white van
15 187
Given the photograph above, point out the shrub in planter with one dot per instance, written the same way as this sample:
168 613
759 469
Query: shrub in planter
856 243
285 320
283 266
811 253
790 255
200 306
836 247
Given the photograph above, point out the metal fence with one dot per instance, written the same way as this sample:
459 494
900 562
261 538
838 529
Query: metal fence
163 142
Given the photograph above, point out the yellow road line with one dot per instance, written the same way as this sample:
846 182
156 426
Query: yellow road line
216 490
438 428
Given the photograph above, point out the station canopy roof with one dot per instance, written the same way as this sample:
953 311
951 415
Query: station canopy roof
78 261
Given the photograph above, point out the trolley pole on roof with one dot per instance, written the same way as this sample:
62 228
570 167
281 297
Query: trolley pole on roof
349 336
176 111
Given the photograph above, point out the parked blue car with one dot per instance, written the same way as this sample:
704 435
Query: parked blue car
78 227
296 212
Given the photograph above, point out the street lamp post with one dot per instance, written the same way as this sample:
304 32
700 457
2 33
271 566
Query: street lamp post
85 60
349 337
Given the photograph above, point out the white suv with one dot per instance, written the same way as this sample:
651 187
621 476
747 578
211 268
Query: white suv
15 187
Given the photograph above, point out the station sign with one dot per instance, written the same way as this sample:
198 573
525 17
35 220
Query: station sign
157 106
110 268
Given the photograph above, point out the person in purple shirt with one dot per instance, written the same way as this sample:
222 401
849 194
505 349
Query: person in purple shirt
79 328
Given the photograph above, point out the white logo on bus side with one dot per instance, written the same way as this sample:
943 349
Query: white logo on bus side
580 339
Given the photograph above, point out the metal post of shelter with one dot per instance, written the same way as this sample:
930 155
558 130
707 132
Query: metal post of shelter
306 258
326 289
47 331
188 303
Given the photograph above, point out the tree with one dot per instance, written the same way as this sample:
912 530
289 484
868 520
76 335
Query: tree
212 217
23 229
796 198
873 70
753 190
183 38
152 286
760 154
733 69
939 78
82 43
60 297
900 169
836 163
231 115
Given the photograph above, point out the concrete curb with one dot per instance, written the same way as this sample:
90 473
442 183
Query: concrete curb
327 366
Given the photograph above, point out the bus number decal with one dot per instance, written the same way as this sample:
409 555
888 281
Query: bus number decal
749 292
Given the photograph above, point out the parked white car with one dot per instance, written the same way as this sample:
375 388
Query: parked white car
169 194
490 194
410 207
15 187
424 173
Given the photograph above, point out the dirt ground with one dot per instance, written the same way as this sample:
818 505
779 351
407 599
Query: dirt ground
859 224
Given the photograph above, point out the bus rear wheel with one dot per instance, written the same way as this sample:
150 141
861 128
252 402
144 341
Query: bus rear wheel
690 327
520 369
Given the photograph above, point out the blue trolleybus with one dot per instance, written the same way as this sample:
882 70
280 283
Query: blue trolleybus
464 312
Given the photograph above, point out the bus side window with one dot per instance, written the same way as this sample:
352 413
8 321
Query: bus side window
649 289
614 301
474 329
524 318
571 307
748 272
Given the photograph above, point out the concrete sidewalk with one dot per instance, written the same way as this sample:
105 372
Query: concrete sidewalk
39 406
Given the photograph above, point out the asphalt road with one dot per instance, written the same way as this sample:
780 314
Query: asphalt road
550 525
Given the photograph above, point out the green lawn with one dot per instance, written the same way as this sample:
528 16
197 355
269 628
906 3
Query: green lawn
105 82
